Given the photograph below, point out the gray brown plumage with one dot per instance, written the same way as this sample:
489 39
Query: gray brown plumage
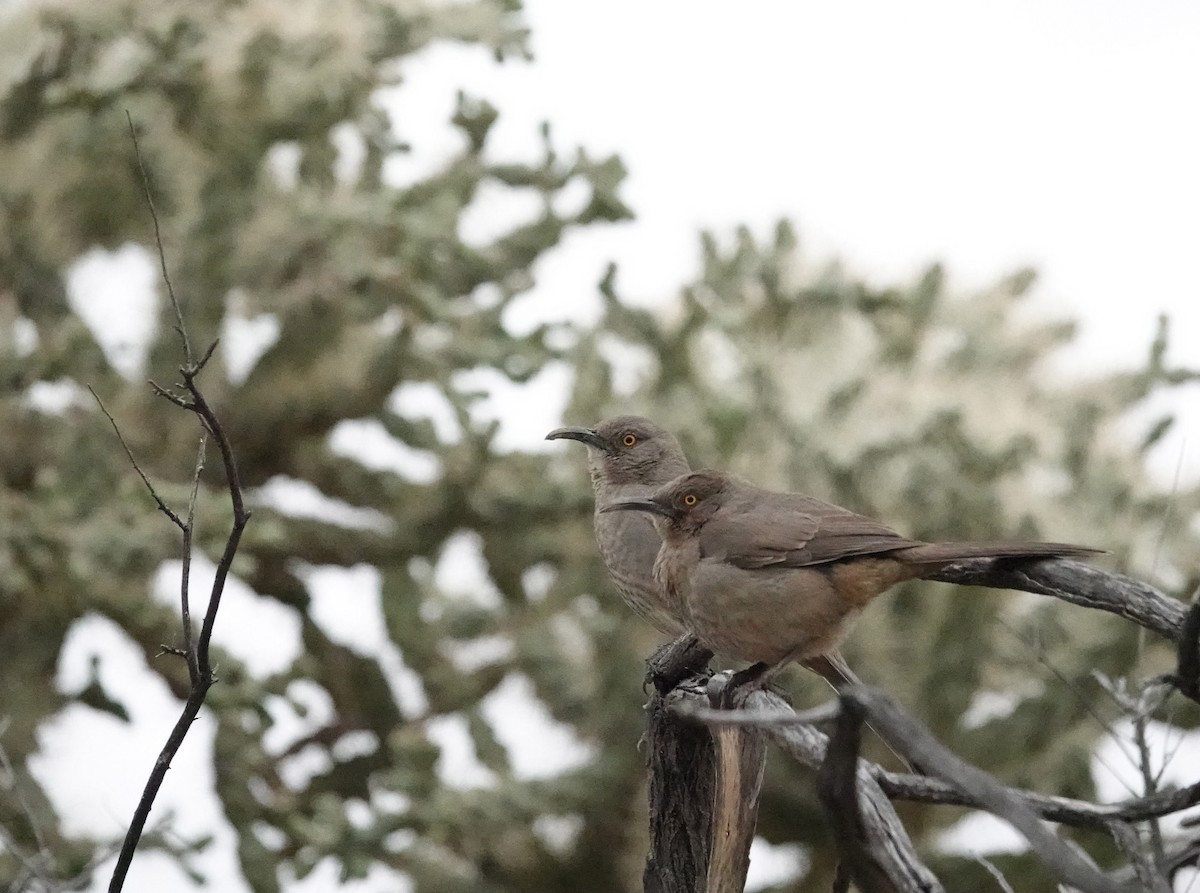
631 457
772 577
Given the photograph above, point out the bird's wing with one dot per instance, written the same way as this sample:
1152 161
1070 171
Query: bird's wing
788 530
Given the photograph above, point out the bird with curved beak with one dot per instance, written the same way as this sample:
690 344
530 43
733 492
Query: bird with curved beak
772 577
630 458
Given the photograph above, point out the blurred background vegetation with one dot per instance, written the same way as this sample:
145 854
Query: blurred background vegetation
943 413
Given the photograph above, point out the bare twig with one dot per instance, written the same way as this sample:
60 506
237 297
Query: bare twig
240 518
189 653
170 395
1064 810
914 740
996 873
197 653
1149 783
1150 878
162 506
162 255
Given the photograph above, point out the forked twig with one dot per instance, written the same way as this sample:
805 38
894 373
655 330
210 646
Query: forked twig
162 506
903 731
195 650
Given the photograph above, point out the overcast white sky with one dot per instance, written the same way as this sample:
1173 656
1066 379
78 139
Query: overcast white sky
988 136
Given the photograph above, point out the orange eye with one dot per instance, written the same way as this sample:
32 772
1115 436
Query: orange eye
690 499
629 439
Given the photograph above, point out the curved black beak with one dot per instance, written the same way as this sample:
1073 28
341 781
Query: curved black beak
640 505
583 435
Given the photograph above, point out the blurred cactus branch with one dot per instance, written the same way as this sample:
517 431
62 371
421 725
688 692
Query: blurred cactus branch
195 650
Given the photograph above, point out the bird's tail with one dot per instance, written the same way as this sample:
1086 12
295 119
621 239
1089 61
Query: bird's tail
945 553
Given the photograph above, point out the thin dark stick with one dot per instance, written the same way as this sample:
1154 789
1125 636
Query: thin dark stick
189 652
240 518
162 255
162 506
190 709
197 655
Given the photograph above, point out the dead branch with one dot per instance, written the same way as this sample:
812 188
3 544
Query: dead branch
741 762
681 765
199 663
909 736
837 788
1064 810
882 832
1076 583
1150 880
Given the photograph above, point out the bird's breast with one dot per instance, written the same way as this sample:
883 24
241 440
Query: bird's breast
672 572
629 545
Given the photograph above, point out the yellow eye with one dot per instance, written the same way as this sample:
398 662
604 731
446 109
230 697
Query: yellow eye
690 499
629 439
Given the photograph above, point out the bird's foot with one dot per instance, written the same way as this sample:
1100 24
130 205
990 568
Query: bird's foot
751 676
725 688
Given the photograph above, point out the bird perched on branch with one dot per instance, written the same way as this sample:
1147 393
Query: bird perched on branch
772 577
630 458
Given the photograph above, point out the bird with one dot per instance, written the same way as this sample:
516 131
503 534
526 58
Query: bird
770 577
630 457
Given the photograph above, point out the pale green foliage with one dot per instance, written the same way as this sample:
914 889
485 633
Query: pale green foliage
946 416
371 287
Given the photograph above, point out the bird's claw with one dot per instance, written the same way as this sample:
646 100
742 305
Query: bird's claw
724 689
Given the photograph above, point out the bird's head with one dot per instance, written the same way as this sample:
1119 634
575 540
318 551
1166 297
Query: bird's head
682 506
628 449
